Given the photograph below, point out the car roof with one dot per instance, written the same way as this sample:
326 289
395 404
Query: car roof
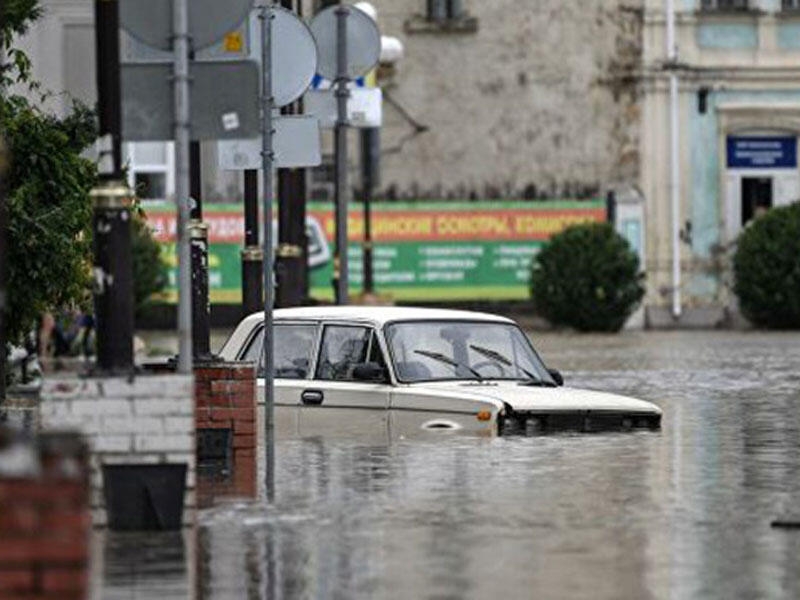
377 315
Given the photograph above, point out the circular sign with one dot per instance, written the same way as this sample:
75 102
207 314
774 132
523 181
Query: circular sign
363 41
294 56
150 21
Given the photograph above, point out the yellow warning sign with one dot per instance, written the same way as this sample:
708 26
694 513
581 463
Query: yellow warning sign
234 42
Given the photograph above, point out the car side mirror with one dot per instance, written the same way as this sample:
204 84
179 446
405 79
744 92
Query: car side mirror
557 377
369 371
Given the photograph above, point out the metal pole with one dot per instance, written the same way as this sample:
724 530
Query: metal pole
341 271
198 237
370 159
266 17
289 267
252 253
675 174
111 221
180 23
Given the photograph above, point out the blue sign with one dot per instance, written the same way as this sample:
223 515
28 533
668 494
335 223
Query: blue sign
762 152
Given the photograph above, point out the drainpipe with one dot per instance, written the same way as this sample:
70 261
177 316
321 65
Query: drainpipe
675 174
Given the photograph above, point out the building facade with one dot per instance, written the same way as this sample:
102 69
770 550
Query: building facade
499 99
738 67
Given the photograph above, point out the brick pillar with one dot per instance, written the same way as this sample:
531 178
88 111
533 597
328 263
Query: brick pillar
45 519
225 399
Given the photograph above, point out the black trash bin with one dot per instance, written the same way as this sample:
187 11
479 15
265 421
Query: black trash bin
144 497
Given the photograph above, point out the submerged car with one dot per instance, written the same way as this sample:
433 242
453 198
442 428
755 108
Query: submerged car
405 370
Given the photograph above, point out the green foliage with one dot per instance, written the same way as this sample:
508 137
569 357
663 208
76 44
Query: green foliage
16 19
767 269
149 270
587 278
50 211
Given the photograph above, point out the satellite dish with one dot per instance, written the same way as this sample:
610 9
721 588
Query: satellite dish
363 42
150 21
294 56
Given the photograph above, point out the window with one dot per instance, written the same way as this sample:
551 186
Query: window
442 16
725 5
441 10
446 350
293 347
150 169
344 347
789 5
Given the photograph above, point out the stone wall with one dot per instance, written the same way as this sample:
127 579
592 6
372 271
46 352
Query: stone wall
541 101
143 420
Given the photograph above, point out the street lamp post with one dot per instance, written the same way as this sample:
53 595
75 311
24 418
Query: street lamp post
113 274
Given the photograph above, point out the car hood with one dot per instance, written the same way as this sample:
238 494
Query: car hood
540 399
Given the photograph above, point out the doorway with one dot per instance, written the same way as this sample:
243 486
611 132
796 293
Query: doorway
757 197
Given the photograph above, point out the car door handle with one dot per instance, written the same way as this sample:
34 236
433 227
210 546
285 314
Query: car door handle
312 397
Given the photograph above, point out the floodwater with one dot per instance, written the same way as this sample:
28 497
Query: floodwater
682 513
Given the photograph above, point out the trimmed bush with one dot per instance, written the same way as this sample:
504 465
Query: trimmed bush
767 269
587 278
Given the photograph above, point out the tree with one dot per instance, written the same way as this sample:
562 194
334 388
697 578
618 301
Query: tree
588 278
149 270
48 184
767 269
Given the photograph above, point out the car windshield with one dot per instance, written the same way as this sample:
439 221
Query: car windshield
477 350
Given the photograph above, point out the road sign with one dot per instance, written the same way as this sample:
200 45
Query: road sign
294 57
364 107
363 42
234 45
224 101
209 20
296 143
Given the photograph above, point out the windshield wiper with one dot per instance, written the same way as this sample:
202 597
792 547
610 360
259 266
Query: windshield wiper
449 361
500 358
532 381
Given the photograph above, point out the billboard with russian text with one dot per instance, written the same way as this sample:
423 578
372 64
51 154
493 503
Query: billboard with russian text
423 251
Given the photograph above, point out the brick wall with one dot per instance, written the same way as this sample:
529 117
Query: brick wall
225 398
143 420
44 517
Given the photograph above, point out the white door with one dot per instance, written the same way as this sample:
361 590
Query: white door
336 402
294 347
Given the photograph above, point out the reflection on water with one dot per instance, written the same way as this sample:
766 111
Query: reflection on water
142 565
683 513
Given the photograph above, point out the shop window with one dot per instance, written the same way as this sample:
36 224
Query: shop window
725 5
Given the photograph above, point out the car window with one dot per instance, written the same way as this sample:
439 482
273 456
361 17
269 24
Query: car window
293 347
445 350
375 352
343 347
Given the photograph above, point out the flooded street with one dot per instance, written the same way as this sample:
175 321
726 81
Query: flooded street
681 513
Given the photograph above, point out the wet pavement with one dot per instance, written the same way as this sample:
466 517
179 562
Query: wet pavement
682 513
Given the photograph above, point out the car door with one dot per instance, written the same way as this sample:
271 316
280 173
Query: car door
294 351
335 402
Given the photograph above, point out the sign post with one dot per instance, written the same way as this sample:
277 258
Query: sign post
267 104
181 96
349 43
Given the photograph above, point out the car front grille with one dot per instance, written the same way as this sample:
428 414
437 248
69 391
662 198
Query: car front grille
537 423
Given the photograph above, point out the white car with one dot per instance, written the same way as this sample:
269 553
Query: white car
401 370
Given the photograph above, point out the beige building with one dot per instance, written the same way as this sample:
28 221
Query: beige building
492 99
738 119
